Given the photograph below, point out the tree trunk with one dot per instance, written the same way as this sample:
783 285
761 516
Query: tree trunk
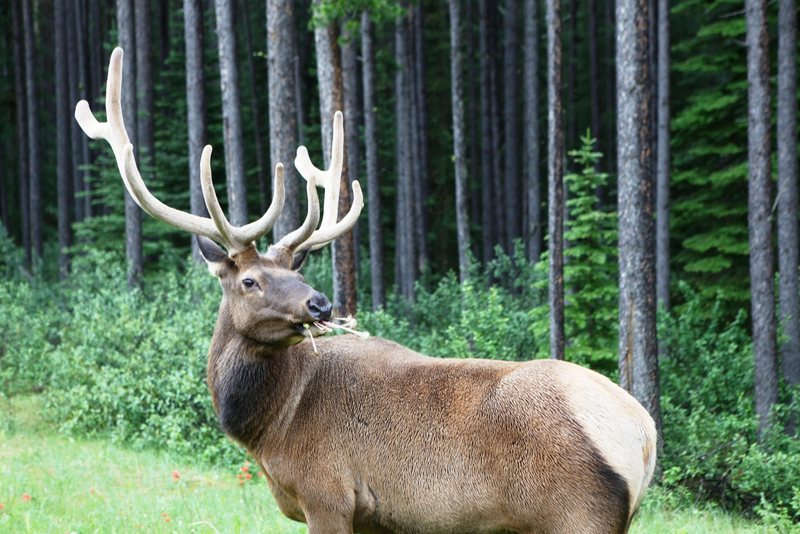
419 138
459 144
31 104
63 145
494 119
195 106
95 42
261 172
331 97
787 190
144 87
300 113
133 215
404 250
351 119
594 83
555 180
373 184
4 187
572 137
511 114
638 362
759 206
163 15
20 98
472 117
283 127
231 113
533 231
80 143
610 85
662 159
488 193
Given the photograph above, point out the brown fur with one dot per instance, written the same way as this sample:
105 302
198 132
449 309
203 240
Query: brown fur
369 436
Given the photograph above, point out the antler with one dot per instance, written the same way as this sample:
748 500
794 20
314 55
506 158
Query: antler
330 180
234 238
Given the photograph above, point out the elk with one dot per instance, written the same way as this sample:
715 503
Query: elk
365 435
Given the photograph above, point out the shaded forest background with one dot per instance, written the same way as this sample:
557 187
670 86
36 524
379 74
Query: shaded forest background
453 254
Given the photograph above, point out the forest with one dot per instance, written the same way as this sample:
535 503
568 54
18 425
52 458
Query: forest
611 183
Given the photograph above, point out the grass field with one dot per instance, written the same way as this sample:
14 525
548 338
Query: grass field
50 483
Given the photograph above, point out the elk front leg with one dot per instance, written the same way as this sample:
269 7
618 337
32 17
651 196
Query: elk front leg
330 512
329 522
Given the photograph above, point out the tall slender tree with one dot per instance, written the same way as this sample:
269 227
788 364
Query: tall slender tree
331 97
498 186
371 154
555 180
572 62
281 57
488 221
594 76
32 107
638 362
80 85
422 182
511 124
662 158
63 144
231 113
349 50
787 190
195 106
255 111
762 299
20 98
533 232
404 246
133 215
144 85
414 76
459 143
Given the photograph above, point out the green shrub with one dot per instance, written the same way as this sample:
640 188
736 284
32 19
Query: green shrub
130 364
711 445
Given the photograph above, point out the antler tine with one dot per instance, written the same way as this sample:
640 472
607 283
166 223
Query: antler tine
295 238
330 180
250 232
234 239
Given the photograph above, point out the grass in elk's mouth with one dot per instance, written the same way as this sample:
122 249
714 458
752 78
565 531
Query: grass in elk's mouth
348 324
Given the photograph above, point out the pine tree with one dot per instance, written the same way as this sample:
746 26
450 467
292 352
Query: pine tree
638 362
282 103
762 300
555 180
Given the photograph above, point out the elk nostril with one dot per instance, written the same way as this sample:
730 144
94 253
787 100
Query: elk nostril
320 307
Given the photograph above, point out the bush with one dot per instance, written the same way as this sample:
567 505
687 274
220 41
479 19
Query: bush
711 445
131 365
475 319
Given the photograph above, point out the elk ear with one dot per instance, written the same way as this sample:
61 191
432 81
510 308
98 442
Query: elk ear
216 258
299 259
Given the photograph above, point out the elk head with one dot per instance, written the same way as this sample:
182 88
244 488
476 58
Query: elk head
267 297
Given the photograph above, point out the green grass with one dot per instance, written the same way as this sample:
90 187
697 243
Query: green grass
95 486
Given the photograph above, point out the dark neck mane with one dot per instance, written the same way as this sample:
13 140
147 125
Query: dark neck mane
251 383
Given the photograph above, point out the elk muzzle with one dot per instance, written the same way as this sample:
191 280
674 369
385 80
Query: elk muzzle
319 307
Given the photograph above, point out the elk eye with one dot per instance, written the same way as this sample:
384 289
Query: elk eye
249 282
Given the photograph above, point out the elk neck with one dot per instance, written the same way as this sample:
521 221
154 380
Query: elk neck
255 387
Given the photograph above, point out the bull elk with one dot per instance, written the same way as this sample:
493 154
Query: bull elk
364 435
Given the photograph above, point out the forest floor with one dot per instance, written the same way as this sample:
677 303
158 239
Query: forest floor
51 483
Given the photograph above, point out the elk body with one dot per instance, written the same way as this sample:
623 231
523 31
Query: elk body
367 436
